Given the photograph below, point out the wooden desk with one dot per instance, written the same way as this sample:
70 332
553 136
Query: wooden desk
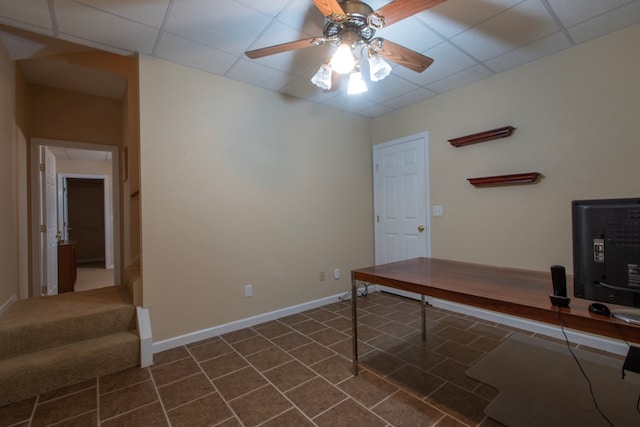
521 293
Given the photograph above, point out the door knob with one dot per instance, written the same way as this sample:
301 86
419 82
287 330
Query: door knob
421 228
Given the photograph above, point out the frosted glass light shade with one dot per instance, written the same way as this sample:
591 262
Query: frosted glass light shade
378 68
343 60
322 78
356 84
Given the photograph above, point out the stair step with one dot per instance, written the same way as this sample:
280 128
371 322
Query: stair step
34 373
38 324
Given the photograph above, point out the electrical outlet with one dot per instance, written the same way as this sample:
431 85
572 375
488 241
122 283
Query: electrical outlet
321 276
336 273
248 291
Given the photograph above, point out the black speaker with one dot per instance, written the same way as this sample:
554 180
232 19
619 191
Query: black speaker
559 282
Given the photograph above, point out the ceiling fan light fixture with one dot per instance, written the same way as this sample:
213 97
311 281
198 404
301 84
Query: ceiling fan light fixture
378 67
322 77
356 84
343 61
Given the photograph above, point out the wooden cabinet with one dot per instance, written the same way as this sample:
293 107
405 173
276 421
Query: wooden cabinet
67 272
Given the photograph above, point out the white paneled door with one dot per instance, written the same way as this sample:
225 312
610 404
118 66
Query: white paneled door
401 199
50 220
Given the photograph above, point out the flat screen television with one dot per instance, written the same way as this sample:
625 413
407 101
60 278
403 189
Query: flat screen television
606 250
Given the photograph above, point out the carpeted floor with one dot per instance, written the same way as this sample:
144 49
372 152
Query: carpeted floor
540 384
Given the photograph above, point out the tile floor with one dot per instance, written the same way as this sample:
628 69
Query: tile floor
295 371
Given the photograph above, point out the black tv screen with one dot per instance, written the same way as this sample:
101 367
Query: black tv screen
606 250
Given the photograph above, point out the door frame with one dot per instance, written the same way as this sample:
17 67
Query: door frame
36 205
62 202
377 149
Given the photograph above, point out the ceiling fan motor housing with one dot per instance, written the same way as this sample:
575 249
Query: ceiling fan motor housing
354 21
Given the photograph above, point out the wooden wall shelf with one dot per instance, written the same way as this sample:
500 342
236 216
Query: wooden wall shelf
520 178
482 136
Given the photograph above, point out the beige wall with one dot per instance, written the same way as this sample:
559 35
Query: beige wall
577 118
72 116
8 181
239 186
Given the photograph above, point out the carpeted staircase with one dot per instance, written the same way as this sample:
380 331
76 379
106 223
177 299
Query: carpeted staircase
51 342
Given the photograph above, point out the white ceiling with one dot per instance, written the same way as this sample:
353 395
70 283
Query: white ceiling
79 154
468 39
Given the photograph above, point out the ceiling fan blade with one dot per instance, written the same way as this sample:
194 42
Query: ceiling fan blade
279 48
398 10
404 56
329 7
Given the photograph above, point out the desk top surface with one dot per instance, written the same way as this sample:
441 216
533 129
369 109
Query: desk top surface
523 293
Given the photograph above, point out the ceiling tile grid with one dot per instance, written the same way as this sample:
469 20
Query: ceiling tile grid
469 40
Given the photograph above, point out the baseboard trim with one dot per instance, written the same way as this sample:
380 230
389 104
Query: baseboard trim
146 340
7 304
192 337
576 337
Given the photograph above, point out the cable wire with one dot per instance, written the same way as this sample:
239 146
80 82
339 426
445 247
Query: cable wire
584 374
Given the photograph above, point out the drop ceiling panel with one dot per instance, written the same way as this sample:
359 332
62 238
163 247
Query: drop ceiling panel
88 23
468 39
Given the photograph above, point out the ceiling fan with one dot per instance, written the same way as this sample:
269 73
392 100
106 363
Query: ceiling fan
350 25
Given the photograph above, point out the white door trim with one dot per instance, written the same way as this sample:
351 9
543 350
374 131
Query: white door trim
36 205
377 149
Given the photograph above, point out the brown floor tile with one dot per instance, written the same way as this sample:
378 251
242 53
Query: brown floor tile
289 375
239 383
371 320
66 407
396 329
269 358
185 390
366 333
402 409
54 394
169 372
340 323
126 399
223 365
171 355
329 336
349 414
415 381
389 343
320 314
291 418
210 350
148 416
293 319
206 411
367 388
345 348
421 357
457 321
252 345
291 341
123 379
334 369
454 372
260 405
315 396
84 420
381 363
447 421
308 326
16 412
458 335
459 352
239 335
492 332
484 344
273 329
311 353
379 309
459 403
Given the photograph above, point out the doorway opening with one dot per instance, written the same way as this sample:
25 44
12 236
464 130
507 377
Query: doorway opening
84 218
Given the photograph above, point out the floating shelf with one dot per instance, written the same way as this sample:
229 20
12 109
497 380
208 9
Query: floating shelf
520 178
482 136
